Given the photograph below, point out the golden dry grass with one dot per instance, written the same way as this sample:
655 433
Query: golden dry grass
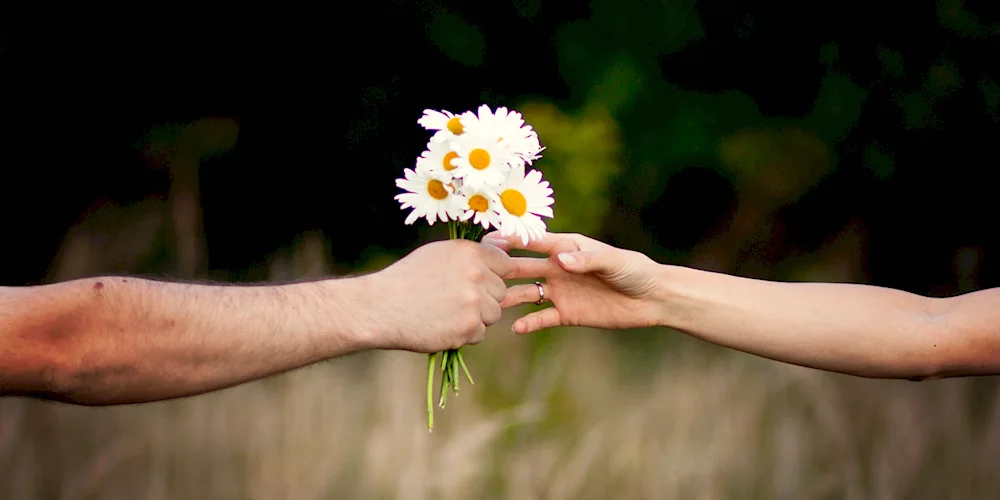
573 423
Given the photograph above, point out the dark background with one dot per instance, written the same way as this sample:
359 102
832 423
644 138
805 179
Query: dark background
326 106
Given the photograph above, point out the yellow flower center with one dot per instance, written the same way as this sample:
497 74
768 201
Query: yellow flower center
436 189
455 126
479 203
479 158
447 160
514 202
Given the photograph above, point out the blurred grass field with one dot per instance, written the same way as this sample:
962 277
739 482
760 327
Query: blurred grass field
577 422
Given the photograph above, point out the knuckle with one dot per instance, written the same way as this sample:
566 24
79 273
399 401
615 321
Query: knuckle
478 335
475 273
470 297
468 248
489 317
471 320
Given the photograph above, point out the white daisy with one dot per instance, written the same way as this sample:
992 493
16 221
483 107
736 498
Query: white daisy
516 137
482 160
447 124
438 157
481 204
522 200
431 196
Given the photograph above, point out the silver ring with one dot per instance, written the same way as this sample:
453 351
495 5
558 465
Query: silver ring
541 293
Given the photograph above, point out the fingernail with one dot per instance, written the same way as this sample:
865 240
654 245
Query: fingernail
567 259
513 328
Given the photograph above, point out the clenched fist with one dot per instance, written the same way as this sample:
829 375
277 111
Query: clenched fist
441 296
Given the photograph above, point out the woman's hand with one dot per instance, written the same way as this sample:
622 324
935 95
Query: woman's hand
589 283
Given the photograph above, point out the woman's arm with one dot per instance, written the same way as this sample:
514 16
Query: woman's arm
855 329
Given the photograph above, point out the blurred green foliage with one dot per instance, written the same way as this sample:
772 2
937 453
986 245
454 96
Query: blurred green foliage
581 158
837 108
953 15
891 60
457 38
879 160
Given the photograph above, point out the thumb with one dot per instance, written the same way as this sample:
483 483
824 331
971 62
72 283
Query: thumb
589 261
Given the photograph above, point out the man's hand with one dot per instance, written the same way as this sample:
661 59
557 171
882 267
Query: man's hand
119 339
590 283
441 296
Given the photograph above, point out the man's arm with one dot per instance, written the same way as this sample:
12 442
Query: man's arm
114 340
848 328
124 340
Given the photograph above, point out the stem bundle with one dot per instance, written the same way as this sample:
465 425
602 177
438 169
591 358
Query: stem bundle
451 360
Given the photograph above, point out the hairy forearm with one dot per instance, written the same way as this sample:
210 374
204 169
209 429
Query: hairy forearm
125 340
855 329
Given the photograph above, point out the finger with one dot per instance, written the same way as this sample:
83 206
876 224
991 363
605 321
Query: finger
497 241
497 260
547 245
546 318
490 310
601 261
478 335
523 294
531 267
495 287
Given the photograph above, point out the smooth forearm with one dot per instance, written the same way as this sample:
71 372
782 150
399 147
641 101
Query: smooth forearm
855 329
127 340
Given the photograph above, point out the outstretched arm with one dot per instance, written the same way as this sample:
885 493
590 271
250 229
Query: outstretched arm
114 340
125 340
855 329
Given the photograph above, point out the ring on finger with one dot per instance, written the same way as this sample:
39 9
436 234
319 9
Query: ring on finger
541 293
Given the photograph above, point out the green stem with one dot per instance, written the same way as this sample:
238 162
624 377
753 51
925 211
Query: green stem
443 400
430 392
461 361
453 368
444 379
451 359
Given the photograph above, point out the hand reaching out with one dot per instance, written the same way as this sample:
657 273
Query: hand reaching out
589 283
856 329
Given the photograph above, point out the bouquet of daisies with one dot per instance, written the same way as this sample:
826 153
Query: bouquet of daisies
472 176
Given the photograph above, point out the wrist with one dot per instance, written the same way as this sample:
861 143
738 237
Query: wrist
347 324
364 298
665 300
